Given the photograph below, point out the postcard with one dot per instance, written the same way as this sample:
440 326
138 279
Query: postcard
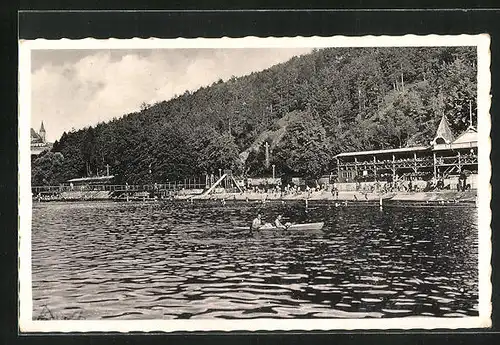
319 183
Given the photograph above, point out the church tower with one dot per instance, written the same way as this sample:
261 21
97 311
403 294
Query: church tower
42 132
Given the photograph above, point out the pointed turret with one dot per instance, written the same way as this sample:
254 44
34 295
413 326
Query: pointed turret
42 132
444 134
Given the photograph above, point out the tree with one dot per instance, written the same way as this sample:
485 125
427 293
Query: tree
221 153
304 149
397 119
330 101
88 150
459 88
255 163
47 169
173 160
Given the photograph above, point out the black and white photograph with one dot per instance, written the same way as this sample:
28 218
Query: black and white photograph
255 184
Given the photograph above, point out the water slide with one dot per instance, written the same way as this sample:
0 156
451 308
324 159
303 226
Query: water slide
209 190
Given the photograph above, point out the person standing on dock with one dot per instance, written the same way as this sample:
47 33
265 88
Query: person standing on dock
335 191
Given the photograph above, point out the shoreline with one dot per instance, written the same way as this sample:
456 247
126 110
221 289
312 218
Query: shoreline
444 196
436 196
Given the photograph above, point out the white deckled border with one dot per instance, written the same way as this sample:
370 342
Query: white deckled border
253 325
258 42
24 190
27 324
484 174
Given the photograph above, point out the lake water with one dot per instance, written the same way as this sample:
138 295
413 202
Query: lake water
169 260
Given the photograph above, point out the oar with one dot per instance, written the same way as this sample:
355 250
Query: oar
242 227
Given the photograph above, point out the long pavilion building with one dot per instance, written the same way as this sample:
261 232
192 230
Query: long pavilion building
444 158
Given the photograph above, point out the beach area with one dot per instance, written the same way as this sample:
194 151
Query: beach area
439 196
446 196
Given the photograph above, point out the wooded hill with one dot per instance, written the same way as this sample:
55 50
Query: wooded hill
308 109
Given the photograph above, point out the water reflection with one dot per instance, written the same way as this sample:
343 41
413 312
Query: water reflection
178 260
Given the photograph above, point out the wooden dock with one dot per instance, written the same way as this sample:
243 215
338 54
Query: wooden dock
113 192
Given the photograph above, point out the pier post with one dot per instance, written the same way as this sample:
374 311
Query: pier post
459 162
393 167
435 163
267 154
338 168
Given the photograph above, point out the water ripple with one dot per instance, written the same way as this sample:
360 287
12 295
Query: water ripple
171 260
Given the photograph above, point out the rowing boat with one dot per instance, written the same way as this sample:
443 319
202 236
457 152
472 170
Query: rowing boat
298 227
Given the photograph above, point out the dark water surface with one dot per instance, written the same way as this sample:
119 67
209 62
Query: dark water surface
164 260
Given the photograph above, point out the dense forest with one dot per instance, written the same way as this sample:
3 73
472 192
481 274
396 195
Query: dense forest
307 109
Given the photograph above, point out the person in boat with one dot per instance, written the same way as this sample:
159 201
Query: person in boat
256 223
278 224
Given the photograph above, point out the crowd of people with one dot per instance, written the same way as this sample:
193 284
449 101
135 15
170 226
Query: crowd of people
411 185
387 186
287 190
392 186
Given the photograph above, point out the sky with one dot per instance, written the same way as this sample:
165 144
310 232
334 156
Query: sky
72 89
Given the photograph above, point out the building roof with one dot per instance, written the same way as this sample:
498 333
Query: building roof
35 137
444 131
470 135
91 179
467 139
398 150
42 128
